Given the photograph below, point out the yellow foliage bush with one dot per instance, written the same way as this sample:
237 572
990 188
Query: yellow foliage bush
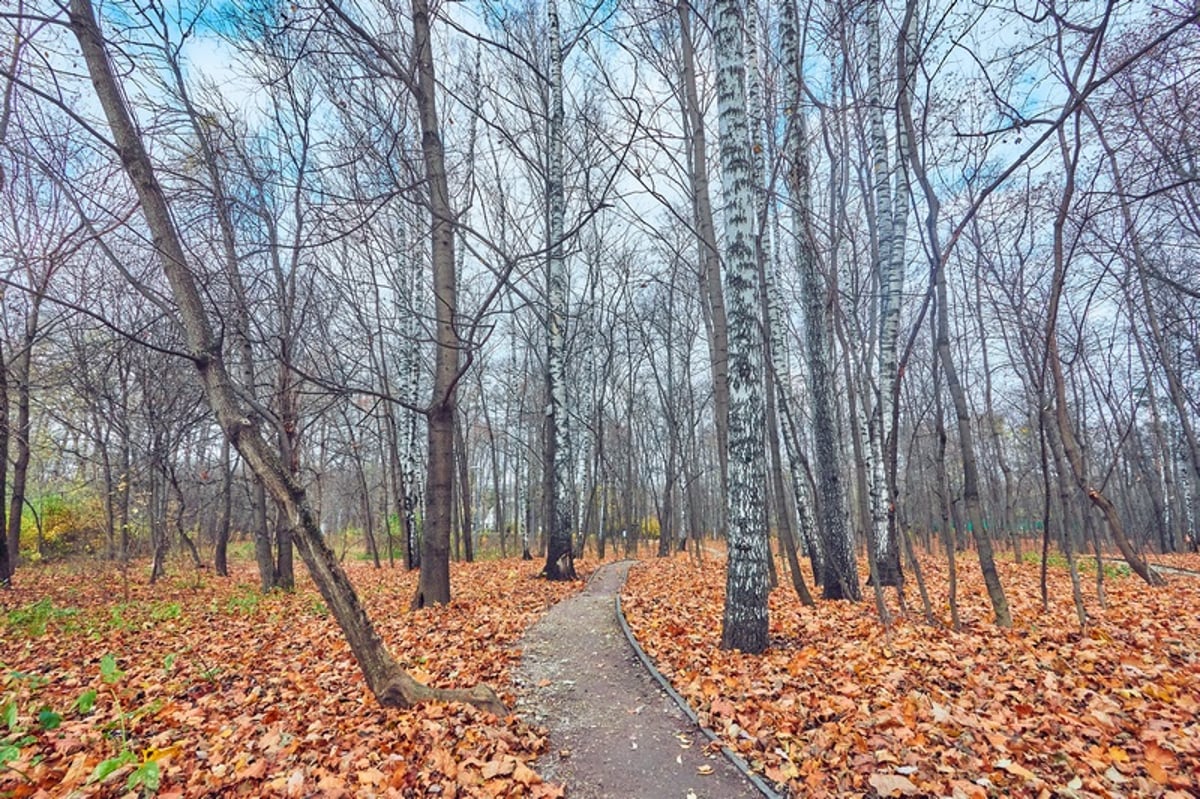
71 523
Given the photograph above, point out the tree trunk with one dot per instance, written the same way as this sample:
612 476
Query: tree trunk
8 553
840 573
387 681
745 622
557 467
712 299
889 271
434 584
21 367
466 525
966 438
225 524
1071 449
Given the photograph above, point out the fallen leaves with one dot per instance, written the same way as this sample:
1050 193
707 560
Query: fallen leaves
216 689
839 706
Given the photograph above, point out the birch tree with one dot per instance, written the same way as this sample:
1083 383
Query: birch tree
746 585
839 575
891 211
559 511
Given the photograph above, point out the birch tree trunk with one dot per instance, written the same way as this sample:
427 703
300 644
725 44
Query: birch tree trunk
891 208
839 575
745 620
410 436
776 375
390 685
560 557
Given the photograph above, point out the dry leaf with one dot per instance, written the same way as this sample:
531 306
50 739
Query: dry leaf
892 785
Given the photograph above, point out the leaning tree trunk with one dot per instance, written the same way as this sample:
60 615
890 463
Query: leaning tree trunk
966 439
1175 388
745 623
966 442
1071 448
560 556
386 680
839 576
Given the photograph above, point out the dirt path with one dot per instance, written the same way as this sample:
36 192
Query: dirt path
614 732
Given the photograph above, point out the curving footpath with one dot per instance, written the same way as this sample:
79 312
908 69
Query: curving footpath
617 728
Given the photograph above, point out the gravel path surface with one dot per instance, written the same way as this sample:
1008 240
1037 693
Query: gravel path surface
613 731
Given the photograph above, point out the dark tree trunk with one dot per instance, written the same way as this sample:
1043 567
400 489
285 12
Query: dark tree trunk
21 366
464 491
225 524
8 554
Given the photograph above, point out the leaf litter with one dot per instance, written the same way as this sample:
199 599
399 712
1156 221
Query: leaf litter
839 706
216 689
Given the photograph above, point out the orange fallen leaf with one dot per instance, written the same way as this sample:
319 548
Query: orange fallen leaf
525 775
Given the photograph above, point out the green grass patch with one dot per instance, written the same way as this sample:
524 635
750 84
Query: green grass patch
33 620
1086 564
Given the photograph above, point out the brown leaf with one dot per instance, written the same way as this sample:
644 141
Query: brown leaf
892 784
525 775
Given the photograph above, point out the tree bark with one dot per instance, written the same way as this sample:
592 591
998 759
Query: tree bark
225 523
712 298
20 369
745 621
558 513
1070 445
8 553
434 583
839 578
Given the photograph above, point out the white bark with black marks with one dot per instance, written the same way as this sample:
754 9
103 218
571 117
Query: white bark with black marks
839 578
559 510
745 620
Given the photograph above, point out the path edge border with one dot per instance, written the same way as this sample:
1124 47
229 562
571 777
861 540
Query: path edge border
733 757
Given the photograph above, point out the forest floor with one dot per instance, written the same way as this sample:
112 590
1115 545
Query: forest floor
200 686
841 706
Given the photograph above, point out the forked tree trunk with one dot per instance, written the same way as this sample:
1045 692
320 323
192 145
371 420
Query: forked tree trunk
966 439
386 680
839 576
